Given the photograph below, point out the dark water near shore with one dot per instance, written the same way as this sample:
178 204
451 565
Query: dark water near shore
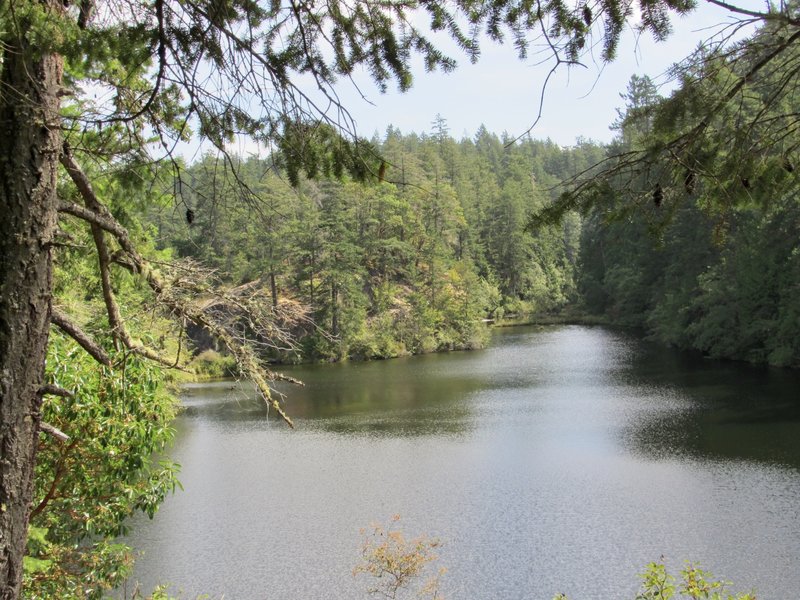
561 459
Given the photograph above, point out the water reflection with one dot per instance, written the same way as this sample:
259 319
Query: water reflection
658 402
558 460
399 397
717 410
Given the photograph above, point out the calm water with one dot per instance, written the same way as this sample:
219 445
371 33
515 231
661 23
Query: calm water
559 460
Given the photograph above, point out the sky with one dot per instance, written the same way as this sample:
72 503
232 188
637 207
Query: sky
503 93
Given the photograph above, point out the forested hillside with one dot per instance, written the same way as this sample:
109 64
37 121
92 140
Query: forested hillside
334 248
439 241
713 267
415 260
440 238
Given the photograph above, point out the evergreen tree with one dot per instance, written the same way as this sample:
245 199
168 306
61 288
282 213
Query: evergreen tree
695 273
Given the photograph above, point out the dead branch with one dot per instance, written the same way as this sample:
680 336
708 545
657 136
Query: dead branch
54 431
76 333
179 295
54 390
104 221
95 207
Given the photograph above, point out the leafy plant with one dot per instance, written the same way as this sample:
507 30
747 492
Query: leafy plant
695 583
118 420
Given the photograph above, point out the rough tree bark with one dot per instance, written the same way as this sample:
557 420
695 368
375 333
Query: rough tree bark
29 148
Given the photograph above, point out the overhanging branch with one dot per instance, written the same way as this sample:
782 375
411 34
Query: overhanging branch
102 221
76 333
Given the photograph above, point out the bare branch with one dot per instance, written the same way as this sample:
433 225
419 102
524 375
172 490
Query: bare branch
54 390
763 16
105 221
54 431
76 333
172 295
93 205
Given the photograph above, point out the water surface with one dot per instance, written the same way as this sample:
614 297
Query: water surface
560 459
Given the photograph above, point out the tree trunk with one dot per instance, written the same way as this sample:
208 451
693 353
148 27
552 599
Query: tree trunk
29 130
334 310
273 288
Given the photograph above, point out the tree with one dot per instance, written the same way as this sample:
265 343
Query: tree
619 255
88 484
707 268
106 82
636 120
728 129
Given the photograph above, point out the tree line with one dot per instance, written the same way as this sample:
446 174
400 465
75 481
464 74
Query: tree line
417 259
445 237
440 236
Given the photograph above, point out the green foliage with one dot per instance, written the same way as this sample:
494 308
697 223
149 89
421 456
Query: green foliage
721 142
69 574
657 584
697 584
213 365
745 307
152 58
711 268
444 258
318 150
414 263
118 416
118 421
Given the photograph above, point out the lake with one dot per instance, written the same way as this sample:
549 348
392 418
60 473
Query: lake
560 459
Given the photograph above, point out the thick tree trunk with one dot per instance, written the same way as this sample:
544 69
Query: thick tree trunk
29 147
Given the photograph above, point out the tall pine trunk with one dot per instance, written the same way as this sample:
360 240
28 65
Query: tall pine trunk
29 150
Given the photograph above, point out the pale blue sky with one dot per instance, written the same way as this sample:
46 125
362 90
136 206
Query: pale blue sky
503 92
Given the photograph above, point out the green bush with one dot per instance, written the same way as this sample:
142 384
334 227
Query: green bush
117 419
210 364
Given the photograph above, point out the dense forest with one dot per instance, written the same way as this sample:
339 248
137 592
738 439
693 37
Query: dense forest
417 260
441 241
714 268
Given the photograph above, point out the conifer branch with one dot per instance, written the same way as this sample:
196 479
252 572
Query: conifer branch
162 67
780 16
